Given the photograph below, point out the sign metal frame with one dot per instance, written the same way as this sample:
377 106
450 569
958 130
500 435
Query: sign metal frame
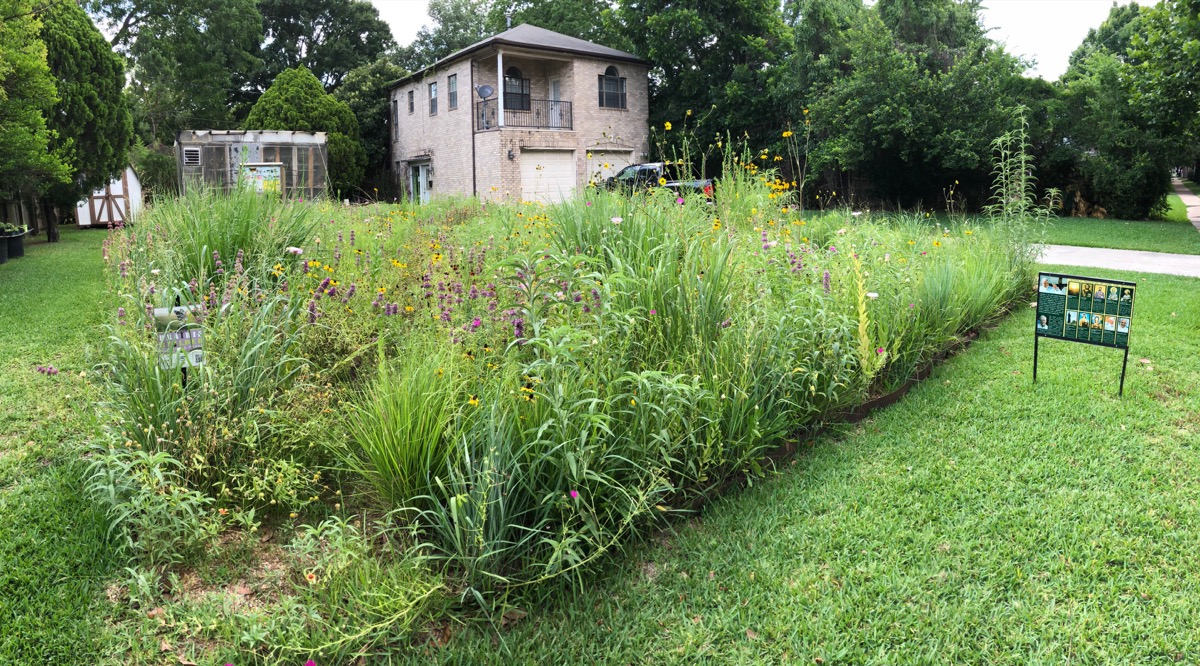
1038 333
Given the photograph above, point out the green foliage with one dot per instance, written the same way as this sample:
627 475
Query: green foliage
592 20
27 161
456 24
158 519
91 122
707 54
365 90
399 431
189 57
156 169
204 227
296 101
1168 74
1122 161
328 38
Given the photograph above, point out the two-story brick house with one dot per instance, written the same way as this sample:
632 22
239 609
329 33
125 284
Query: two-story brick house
564 113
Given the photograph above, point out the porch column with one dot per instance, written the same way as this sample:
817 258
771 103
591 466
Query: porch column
500 86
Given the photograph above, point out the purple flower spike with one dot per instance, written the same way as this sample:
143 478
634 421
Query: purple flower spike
825 281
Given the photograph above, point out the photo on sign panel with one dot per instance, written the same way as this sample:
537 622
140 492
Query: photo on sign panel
1112 293
1110 323
1127 295
1123 325
1086 291
1085 319
1072 288
1072 317
1100 292
1051 285
1043 323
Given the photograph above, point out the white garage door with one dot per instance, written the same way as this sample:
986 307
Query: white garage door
547 175
606 163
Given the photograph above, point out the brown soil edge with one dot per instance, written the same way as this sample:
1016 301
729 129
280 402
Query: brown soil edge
774 458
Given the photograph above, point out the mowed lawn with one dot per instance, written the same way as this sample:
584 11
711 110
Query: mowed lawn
54 563
982 519
1175 235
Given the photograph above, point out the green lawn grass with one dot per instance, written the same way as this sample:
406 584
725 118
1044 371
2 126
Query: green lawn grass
1195 188
54 561
1176 211
1156 236
982 519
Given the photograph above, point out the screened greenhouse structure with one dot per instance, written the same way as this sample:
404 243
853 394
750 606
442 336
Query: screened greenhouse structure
220 158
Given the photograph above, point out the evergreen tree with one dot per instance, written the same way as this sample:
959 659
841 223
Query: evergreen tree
91 118
26 93
297 101
365 90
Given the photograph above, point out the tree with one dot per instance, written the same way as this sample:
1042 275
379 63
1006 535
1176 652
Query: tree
1166 81
1122 164
365 91
592 20
456 24
27 161
1114 36
91 121
911 117
189 58
327 37
716 55
297 101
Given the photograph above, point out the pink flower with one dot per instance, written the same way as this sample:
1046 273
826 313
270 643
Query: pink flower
653 312
679 200
588 204
879 350
295 250
574 494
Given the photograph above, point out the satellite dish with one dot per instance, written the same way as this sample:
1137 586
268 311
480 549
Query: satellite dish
484 91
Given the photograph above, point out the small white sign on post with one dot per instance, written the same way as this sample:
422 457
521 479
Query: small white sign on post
180 340
181 349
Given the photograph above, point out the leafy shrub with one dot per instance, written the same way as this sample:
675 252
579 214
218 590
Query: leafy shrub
147 502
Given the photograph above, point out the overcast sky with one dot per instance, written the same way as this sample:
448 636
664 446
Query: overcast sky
1044 30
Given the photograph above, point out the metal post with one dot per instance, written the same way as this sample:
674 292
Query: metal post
1121 391
1036 339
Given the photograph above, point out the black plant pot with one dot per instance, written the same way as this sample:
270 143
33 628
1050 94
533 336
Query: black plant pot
3 249
16 245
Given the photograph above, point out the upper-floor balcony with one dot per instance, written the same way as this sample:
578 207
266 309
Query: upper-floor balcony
522 112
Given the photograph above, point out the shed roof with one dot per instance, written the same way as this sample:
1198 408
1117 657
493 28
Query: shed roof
239 136
531 37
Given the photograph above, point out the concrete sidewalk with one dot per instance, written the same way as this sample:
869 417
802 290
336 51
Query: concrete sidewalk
1191 201
1123 260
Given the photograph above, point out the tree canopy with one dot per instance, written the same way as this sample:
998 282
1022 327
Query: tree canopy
27 91
91 122
297 101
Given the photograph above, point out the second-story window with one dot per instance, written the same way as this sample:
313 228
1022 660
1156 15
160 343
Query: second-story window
433 99
395 119
452 91
612 89
516 90
410 101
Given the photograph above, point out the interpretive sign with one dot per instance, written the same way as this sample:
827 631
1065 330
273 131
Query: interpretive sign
263 177
1097 311
180 341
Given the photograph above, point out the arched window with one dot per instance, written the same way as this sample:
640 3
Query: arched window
612 89
516 90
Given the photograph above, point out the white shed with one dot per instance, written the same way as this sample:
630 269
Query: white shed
115 204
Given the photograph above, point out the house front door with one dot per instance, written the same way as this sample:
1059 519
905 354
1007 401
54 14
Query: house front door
422 182
556 107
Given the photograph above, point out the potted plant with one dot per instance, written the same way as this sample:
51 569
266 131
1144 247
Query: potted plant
13 238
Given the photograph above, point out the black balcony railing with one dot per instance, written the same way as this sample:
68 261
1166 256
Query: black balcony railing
540 114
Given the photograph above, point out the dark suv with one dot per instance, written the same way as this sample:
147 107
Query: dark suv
642 176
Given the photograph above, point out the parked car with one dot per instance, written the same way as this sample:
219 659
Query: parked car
651 174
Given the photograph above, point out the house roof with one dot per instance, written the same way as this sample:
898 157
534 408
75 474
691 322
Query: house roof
530 37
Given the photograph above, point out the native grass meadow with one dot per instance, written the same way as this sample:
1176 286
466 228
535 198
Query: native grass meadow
406 411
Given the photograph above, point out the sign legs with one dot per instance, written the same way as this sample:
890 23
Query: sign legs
1035 355
1121 390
